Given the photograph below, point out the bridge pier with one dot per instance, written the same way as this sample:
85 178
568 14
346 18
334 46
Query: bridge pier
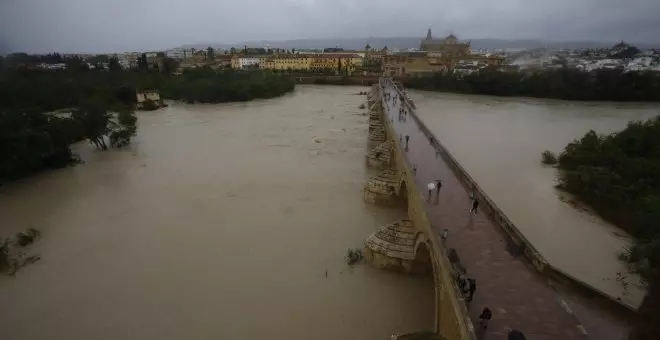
381 156
399 246
384 189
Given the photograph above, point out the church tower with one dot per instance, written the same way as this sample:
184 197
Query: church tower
428 34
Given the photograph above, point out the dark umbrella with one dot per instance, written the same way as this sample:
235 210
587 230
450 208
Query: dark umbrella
516 335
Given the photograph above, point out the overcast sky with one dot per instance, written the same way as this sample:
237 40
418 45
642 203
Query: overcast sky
132 25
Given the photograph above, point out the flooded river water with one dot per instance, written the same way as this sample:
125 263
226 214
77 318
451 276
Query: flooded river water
219 222
499 142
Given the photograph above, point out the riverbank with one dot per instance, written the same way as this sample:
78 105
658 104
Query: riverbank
334 80
566 84
617 175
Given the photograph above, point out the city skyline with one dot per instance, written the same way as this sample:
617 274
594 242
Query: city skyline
95 26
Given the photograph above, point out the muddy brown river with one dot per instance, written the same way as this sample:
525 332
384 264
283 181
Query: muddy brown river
219 222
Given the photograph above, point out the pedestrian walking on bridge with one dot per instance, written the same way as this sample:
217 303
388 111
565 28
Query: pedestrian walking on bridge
475 206
431 186
485 316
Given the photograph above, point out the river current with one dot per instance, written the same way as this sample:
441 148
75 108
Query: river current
219 222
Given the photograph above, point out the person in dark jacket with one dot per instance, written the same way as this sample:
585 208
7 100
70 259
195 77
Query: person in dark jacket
485 316
475 206
516 335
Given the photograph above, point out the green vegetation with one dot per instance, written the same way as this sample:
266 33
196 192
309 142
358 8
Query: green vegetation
569 84
208 86
354 256
548 157
98 106
619 176
31 141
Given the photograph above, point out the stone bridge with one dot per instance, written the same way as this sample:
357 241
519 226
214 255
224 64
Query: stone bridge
441 237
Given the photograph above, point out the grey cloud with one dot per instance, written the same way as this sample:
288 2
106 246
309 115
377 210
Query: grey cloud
127 25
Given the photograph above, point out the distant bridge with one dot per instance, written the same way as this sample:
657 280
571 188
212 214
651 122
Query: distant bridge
484 246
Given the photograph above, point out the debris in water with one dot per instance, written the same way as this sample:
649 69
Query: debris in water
11 257
354 256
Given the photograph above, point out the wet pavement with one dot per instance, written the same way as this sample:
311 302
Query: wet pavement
518 297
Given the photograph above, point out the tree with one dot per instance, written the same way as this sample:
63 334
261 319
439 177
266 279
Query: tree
169 65
232 50
99 58
210 53
124 129
113 64
76 64
619 176
143 64
31 141
94 119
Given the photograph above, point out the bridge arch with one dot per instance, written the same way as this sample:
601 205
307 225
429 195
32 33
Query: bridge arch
422 262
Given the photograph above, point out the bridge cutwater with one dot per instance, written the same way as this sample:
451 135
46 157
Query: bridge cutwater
442 235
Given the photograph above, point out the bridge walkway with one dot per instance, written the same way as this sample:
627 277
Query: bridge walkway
518 297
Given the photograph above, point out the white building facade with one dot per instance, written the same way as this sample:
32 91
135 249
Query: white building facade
247 62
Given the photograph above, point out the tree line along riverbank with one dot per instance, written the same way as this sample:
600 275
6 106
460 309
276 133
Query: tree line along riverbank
619 176
43 112
567 84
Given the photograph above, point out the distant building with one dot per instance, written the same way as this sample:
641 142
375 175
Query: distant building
411 63
178 53
335 62
449 46
244 62
292 62
57 66
437 55
222 61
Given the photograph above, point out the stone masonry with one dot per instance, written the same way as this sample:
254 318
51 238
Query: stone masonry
381 156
